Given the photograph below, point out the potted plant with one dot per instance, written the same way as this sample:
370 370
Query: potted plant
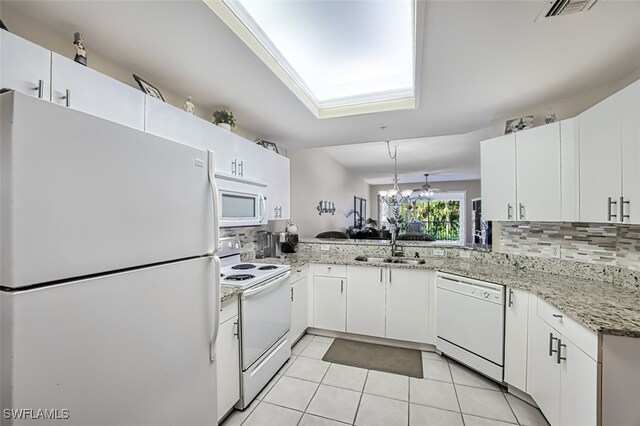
224 119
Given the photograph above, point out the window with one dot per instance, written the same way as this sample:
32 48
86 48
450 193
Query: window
443 217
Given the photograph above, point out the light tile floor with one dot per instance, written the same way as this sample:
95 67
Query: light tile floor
310 392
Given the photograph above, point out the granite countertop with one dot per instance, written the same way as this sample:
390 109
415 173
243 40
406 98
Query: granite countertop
601 306
402 243
227 292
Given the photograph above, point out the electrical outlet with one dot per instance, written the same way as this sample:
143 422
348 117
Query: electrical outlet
438 252
465 254
555 251
324 247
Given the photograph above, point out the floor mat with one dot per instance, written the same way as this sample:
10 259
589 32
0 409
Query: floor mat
389 359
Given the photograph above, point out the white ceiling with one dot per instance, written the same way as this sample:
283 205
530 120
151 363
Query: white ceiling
445 158
480 61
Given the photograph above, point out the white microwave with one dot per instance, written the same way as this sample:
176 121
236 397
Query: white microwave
241 203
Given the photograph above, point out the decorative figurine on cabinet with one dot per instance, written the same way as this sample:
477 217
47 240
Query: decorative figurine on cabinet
81 53
189 106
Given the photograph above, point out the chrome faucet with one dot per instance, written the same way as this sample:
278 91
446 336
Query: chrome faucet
395 250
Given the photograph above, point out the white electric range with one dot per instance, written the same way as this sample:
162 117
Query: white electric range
265 317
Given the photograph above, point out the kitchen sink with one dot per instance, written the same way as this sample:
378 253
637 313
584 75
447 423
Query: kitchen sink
406 261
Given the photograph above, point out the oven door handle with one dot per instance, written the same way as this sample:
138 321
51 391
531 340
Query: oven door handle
266 286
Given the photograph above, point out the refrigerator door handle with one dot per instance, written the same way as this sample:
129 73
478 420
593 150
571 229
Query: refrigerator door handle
216 205
215 284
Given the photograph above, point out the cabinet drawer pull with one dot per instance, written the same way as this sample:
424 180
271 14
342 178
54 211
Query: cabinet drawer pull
610 203
40 88
551 339
622 203
559 352
67 98
557 316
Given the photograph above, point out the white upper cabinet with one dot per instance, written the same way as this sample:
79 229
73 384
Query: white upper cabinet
224 146
167 121
538 174
630 136
24 66
248 157
600 161
275 174
498 178
524 174
87 90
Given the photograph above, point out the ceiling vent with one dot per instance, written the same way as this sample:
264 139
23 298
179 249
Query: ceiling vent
565 7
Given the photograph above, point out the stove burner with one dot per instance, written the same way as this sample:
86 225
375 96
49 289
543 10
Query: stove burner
267 268
239 277
243 266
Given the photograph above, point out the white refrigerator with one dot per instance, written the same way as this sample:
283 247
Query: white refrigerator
109 286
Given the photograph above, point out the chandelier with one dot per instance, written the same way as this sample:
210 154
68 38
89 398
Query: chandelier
394 196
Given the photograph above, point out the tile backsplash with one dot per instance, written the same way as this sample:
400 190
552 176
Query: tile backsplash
248 236
595 243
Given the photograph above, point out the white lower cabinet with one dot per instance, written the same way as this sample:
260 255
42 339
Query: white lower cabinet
329 303
366 301
561 377
409 305
515 338
228 358
299 296
543 372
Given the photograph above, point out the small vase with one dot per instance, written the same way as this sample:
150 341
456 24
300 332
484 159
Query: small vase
225 126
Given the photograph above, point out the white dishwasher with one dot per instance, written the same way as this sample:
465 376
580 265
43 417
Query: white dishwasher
470 323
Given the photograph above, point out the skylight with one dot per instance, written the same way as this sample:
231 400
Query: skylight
345 57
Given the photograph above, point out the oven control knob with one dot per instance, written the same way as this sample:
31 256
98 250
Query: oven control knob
485 295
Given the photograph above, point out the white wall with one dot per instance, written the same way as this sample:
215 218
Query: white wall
316 176
472 188
107 64
565 108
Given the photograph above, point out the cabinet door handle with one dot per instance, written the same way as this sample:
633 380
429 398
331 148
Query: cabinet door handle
521 211
341 286
622 203
559 352
510 297
509 211
390 276
557 316
241 168
292 294
610 203
380 274
235 330
233 167
551 339
67 98
275 212
40 88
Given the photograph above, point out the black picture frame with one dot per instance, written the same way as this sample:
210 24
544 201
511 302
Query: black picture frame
148 88
359 211
270 146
